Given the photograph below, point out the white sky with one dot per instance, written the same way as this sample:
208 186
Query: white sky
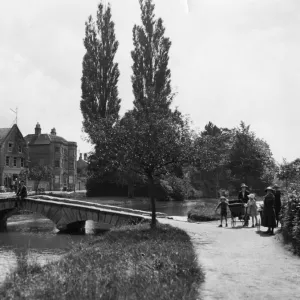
230 60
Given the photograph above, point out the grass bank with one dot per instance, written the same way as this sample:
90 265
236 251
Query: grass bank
132 262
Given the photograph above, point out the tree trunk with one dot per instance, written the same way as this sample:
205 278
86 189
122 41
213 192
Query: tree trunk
130 189
217 185
152 200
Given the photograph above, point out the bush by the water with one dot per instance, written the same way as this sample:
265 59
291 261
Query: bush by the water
169 188
203 212
290 219
133 262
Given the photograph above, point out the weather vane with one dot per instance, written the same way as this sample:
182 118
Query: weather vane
16 112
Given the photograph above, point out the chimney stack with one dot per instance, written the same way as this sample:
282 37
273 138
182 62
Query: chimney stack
53 131
38 129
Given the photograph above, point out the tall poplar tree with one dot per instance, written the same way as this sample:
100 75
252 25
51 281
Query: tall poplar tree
100 103
155 139
151 79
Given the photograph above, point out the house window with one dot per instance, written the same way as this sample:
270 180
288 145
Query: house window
57 179
56 149
15 161
70 179
56 164
20 149
7 161
10 145
22 162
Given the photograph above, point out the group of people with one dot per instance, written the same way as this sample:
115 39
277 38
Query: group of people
271 207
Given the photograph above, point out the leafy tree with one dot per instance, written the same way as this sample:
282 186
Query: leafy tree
37 173
211 130
289 172
212 151
248 156
100 103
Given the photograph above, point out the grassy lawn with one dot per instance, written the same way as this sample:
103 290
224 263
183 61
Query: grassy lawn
132 262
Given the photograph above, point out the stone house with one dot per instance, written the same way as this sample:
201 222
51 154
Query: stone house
13 156
54 151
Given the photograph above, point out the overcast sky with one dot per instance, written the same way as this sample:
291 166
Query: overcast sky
231 60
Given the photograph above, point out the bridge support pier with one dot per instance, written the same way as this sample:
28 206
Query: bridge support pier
73 227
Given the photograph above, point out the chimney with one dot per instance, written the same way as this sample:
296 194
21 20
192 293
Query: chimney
53 131
85 156
38 129
80 156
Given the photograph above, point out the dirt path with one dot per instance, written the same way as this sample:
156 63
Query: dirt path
242 263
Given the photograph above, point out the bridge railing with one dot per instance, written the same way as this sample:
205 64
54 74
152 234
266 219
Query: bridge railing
98 205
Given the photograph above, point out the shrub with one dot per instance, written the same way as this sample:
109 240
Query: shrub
203 212
290 219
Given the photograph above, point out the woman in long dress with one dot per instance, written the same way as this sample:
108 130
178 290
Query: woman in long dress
269 219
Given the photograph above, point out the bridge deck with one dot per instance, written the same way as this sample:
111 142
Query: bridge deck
96 205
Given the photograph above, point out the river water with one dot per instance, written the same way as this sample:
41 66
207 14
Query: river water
35 237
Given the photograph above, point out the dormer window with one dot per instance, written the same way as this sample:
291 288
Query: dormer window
10 145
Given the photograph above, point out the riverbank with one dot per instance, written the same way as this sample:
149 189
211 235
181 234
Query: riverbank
133 262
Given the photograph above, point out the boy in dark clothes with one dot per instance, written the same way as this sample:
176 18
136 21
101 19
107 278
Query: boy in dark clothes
223 205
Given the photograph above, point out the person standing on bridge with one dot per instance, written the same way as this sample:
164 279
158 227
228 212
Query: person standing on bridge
22 192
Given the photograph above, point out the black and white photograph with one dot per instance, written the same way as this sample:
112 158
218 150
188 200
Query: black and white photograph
149 149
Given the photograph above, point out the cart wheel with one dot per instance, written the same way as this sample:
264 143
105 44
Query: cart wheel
243 222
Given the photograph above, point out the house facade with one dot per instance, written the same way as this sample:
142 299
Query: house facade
13 156
58 153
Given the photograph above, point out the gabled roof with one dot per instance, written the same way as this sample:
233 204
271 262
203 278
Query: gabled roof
3 134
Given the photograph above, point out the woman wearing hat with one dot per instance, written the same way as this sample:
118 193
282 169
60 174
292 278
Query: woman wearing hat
277 195
243 196
269 219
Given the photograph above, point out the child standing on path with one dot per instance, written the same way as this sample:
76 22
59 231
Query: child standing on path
252 208
224 205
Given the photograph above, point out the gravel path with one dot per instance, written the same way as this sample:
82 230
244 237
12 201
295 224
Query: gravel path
243 263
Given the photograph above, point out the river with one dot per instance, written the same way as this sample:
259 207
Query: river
36 237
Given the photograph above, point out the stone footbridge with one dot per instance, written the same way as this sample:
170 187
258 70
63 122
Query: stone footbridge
70 214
